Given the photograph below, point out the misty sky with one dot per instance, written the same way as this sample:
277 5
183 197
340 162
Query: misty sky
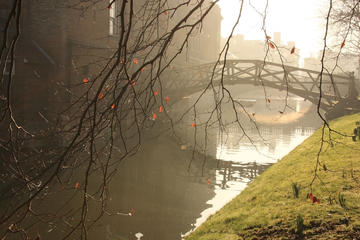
301 21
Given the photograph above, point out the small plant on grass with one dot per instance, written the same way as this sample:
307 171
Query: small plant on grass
342 201
296 190
299 225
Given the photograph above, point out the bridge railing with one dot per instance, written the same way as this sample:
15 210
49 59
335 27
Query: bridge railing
302 82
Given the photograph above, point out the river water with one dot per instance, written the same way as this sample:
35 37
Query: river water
168 199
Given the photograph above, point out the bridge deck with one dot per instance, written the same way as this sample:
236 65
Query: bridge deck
302 82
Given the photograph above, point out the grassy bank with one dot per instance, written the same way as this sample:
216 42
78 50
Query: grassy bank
269 209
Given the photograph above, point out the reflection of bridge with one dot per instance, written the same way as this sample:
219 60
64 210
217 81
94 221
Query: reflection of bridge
301 82
228 174
238 172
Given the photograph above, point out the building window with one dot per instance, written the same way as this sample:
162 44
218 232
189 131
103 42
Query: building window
113 19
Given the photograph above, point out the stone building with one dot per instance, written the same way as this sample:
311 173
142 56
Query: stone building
205 46
203 43
240 48
62 42
58 46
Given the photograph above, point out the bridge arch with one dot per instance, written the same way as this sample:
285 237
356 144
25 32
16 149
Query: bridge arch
301 82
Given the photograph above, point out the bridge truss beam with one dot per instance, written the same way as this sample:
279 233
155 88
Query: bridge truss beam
301 82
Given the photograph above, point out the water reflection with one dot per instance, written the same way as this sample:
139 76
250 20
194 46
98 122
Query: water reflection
241 160
277 143
168 201
164 196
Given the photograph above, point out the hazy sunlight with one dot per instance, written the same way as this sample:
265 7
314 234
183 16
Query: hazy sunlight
298 21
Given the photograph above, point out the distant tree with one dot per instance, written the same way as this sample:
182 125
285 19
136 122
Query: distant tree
346 16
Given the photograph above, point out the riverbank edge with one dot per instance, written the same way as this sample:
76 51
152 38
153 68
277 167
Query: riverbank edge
269 209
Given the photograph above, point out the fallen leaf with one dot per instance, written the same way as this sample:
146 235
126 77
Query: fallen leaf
342 44
292 50
313 198
309 195
132 212
85 80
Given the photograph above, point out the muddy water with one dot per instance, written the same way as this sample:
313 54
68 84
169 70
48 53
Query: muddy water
167 200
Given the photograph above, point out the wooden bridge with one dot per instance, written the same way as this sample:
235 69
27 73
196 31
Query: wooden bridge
301 82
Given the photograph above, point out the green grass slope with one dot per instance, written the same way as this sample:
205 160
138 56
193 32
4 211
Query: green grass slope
269 209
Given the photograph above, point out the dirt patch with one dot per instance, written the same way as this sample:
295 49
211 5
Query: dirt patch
315 230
